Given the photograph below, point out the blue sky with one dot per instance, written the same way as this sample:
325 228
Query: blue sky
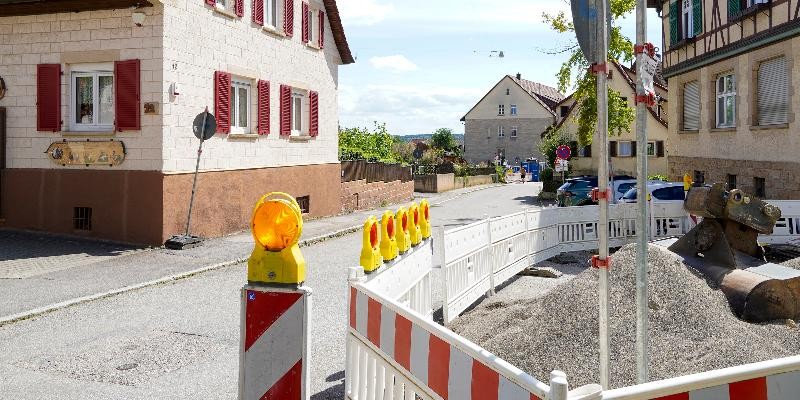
421 65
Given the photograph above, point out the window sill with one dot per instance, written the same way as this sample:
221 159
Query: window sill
313 46
769 127
273 31
300 138
689 131
726 129
225 12
88 133
245 136
682 43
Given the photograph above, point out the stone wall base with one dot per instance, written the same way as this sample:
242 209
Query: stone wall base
147 207
360 195
782 179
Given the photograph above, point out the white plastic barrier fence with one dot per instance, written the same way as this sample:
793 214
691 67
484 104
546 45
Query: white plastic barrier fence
477 258
396 353
407 279
777 379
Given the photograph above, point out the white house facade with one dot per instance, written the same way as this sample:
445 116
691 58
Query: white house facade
101 97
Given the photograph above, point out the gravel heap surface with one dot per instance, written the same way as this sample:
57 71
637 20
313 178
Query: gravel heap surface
691 326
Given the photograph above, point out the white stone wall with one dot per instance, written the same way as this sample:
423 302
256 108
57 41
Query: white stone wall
69 38
198 41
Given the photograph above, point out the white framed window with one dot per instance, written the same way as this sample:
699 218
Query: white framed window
687 19
92 97
223 4
772 101
651 149
501 109
240 106
312 24
624 149
513 131
271 13
751 3
726 101
299 112
691 106
513 109
501 132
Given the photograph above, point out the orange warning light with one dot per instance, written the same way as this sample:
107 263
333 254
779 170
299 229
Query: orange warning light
277 224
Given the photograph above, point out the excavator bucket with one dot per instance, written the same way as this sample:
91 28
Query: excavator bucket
724 248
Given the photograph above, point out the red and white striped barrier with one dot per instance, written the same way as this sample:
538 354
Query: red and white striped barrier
432 358
274 343
777 379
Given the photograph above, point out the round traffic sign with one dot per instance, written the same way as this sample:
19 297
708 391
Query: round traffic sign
204 132
563 152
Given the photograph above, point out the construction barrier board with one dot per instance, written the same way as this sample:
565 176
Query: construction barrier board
273 355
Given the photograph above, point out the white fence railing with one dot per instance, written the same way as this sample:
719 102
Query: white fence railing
396 351
477 258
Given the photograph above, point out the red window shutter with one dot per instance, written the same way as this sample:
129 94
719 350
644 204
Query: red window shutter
263 108
238 7
258 12
286 110
127 87
305 22
211 2
288 17
321 29
313 112
48 97
222 101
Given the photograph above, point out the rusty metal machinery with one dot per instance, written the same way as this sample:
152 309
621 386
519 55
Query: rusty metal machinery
724 247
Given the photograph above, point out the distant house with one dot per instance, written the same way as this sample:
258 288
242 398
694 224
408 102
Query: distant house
102 95
508 121
622 148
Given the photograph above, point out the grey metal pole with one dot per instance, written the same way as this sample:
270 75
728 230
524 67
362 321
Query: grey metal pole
643 224
602 180
196 169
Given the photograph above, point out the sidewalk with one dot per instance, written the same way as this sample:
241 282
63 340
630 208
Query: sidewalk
40 273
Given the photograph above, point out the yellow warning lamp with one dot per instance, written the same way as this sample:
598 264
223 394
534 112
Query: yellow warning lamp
388 233
687 182
370 253
403 236
277 224
413 227
425 219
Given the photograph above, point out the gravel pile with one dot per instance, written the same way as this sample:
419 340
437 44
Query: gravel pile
691 326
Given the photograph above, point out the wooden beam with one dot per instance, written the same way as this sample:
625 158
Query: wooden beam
60 6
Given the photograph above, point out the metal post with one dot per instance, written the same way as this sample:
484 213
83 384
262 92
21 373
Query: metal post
196 169
602 180
643 222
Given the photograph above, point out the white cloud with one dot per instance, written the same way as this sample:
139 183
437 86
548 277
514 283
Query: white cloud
363 12
406 109
396 63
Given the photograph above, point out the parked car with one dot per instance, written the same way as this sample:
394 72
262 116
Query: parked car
658 190
574 190
577 191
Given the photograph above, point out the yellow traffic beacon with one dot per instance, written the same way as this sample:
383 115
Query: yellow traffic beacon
388 233
277 224
403 236
413 226
425 219
370 253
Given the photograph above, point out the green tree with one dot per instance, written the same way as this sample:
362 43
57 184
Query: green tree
443 139
361 143
574 74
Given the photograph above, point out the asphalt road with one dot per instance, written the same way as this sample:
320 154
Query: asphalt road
181 340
